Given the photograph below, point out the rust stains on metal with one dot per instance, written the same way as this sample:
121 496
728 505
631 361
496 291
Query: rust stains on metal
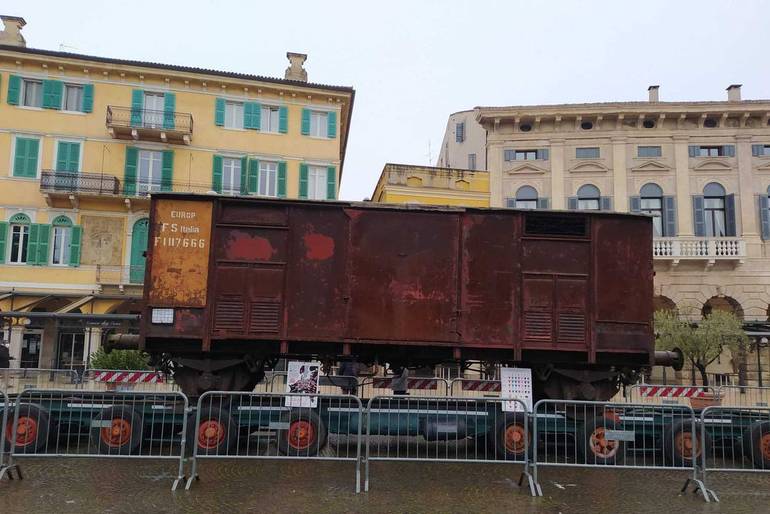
244 246
318 247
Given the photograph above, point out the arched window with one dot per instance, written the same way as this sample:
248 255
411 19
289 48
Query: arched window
652 204
526 198
62 240
714 210
588 198
20 224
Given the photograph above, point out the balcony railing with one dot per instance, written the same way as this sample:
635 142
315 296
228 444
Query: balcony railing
699 248
147 124
64 182
119 275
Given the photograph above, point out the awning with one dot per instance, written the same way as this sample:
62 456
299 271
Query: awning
74 305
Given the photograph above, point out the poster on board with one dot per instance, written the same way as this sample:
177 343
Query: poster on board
302 377
516 383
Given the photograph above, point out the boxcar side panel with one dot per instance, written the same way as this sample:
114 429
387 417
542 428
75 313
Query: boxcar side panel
403 276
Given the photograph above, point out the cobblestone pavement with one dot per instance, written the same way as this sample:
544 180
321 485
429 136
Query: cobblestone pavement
80 486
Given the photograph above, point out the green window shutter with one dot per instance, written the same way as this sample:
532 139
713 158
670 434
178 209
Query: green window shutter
129 174
303 172
331 183
167 170
34 231
14 89
67 156
43 239
305 122
244 174
283 119
252 115
88 98
52 94
331 122
169 106
25 157
219 112
3 239
74 164
253 174
33 147
282 179
75 245
216 174
137 106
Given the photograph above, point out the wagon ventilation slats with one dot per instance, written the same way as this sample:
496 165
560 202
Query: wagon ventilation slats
572 327
228 315
264 317
537 325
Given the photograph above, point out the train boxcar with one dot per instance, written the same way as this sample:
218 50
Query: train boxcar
234 283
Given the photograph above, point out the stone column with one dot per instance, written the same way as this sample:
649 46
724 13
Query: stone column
15 340
619 175
558 198
748 203
683 200
93 341
495 167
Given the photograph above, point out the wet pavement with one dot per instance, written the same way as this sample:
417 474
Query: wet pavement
109 486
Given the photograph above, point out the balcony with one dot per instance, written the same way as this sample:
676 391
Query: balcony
708 250
66 185
149 125
120 276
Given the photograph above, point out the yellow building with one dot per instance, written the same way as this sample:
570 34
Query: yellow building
404 183
86 140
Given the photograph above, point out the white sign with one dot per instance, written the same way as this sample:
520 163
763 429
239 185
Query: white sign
516 383
302 377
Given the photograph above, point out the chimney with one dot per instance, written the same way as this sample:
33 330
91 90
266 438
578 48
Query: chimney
734 93
295 71
11 34
653 92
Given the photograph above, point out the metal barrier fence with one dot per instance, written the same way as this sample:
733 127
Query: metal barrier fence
744 396
620 435
16 380
736 440
5 467
100 424
241 425
477 430
127 380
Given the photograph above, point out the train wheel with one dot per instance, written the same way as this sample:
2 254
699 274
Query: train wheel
116 430
215 433
512 436
305 435
756 443
681 445
594 446
32 428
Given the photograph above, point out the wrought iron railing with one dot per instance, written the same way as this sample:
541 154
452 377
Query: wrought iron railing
119 275
69 182
149 119
698 248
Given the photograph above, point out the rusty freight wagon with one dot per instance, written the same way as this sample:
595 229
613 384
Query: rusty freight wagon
233 284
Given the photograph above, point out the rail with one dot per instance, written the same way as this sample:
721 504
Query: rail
129 117
52 182
720 248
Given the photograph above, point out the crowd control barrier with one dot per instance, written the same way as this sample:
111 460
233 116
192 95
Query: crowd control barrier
99 424
16 380
240 425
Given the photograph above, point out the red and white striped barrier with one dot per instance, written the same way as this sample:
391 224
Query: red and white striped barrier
672 391
127 377
412 383
481 385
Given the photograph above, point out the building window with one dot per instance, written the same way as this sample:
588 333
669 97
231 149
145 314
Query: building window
587 153
714 210
267 185
233 115
231 176
25 157
710 151
317 178
32 93
471 161
520 155
651 202
150 170
460 132
19 238
152 114
73 97
319 124
62 241
588 198
760 150
649 151
269 119
526 198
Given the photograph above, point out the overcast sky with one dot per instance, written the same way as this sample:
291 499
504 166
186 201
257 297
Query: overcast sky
413 63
